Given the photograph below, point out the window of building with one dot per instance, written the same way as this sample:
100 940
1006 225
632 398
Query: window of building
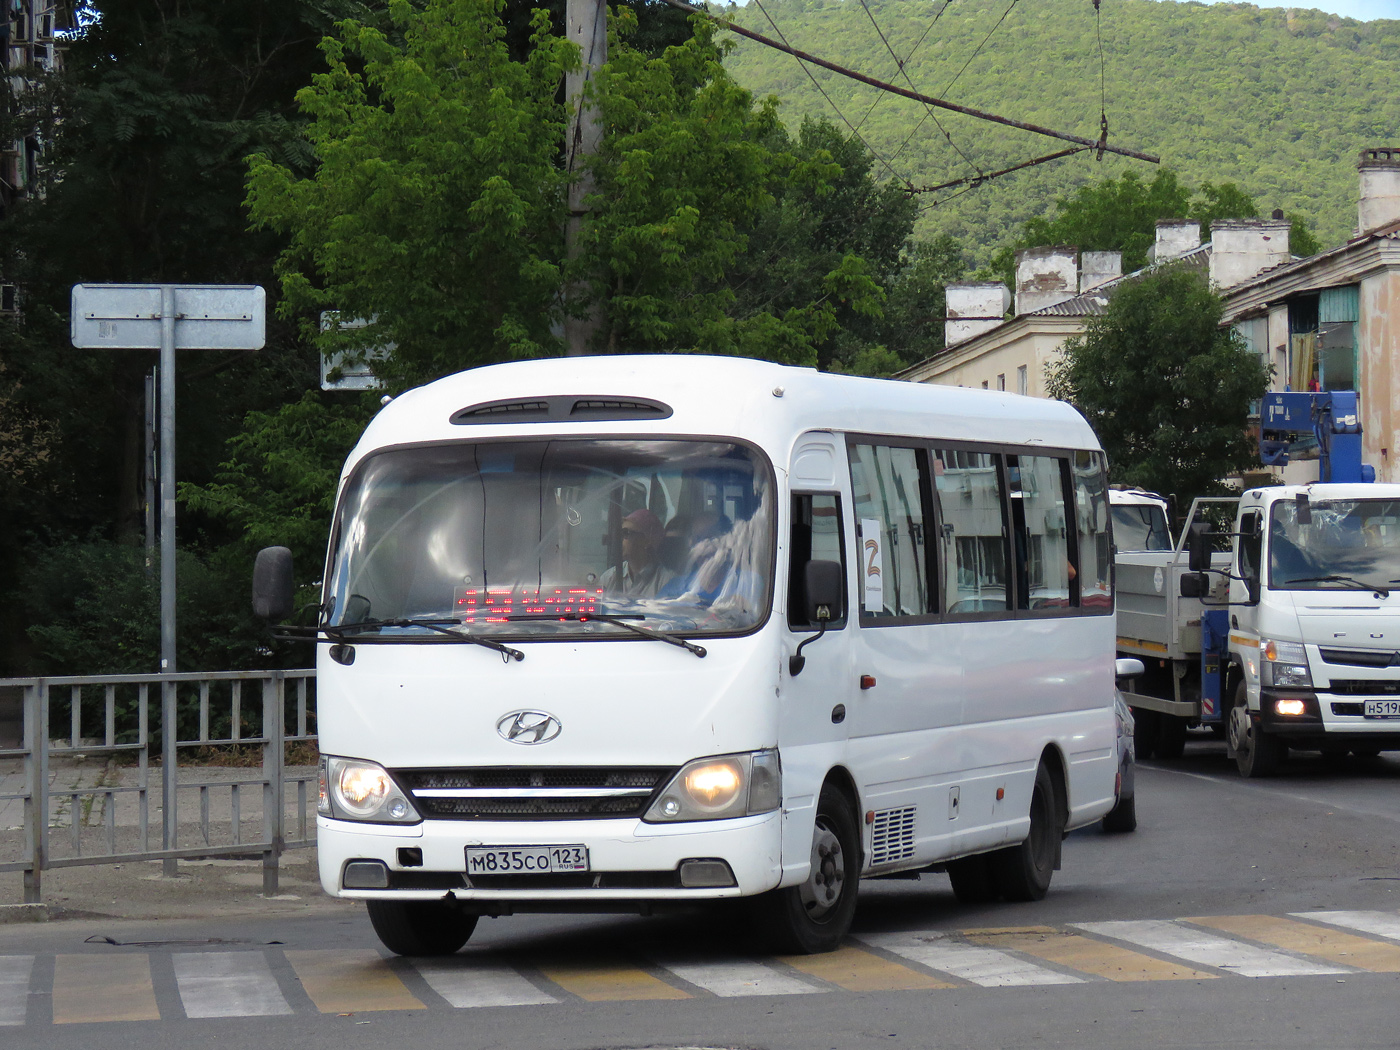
1022 384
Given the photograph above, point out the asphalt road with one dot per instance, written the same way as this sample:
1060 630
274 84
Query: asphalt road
1145 940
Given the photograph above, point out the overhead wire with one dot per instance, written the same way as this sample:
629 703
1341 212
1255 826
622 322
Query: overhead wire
899 63
830 101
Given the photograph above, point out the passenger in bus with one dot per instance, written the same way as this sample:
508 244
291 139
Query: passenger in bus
641 573
694 549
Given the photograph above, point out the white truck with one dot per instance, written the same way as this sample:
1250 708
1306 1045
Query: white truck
1309 654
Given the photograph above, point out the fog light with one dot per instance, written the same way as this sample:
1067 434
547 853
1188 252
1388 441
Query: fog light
696 874
1289 707
365 875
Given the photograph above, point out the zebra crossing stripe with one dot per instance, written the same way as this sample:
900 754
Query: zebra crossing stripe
982 966
228 984
1380 923
14 987
1345 949
106 987
603 982
1197 946
349 981
470 981
858 970
733 978
1077 952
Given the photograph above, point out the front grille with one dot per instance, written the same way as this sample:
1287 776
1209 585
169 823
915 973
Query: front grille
1364 687
532 793
1358 657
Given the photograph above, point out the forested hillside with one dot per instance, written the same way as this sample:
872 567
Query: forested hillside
1279 101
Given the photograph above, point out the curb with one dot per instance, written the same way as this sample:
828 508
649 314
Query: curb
11 913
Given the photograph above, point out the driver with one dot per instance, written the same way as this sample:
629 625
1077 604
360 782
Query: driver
641 573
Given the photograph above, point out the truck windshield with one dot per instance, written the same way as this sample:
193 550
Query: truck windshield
1348 545
1141 527
527 538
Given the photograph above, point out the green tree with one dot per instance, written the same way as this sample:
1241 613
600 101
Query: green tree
1165 387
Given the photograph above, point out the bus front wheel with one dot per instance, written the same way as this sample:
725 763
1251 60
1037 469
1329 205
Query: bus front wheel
420 927
815 915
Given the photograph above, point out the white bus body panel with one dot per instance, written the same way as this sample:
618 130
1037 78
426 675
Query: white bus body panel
960 710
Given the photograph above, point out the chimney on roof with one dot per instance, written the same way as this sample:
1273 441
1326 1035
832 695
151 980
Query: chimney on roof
1096 268
974 308
1243 248
1174 237
1046 276
1380 188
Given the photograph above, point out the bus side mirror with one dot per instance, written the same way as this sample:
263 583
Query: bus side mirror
272 584
1198 547
1194 585
824 591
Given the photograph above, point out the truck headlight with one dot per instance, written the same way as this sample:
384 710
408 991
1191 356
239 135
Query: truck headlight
352 789
1283 664
719 787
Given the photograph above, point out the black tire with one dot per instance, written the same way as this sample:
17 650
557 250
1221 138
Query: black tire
420 927
1171 736
1144 732
972 879
1121 818
816 915
1023 872
1366 752
1257 754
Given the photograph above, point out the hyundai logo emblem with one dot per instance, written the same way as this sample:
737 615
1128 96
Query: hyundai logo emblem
528 727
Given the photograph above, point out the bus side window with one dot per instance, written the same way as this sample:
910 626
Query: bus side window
887 483
816 536
972 551
1043 547
1095 566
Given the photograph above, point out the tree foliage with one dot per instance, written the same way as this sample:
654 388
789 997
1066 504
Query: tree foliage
1278 101
1166 389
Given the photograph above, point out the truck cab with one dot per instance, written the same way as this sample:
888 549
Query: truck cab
1314 623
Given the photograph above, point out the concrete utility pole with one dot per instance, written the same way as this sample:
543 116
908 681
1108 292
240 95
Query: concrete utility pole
587 26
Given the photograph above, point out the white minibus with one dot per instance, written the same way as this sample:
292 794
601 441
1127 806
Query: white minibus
617 633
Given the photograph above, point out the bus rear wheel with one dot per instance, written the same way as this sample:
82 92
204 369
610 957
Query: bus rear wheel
972 879
420 927
816 915
1023 872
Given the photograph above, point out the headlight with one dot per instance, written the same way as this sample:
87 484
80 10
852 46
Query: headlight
719 787
1283 664
351 789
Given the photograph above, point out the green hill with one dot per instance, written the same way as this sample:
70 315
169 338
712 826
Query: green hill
1279 101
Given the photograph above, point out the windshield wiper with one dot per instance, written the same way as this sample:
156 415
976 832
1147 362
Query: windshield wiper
616 621
337 633
1384 592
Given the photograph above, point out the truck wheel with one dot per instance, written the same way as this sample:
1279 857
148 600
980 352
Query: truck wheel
420 927
1144 732
1171 736
972 880
1023 872
1257 754
815 916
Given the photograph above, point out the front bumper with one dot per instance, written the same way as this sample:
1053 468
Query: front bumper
628 859
1326 718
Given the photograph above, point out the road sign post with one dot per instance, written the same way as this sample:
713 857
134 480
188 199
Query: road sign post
168 317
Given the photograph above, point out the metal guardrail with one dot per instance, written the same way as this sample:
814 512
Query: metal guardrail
156 733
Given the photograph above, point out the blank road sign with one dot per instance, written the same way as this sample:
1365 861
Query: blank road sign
207 317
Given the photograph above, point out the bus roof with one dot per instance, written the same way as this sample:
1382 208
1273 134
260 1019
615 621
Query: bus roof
765 403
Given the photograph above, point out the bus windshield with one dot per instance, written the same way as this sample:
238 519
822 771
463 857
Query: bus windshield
532 538
1348 545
